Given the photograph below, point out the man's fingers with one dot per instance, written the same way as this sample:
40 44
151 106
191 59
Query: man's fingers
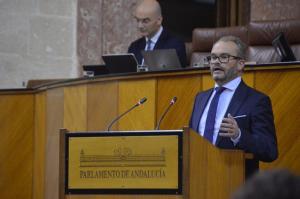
229 130
226 134
226 125
226 120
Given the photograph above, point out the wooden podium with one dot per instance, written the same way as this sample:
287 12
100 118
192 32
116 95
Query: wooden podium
30 137
146 164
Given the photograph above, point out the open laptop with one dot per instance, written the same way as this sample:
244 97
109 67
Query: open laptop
94 70
161 59
120 63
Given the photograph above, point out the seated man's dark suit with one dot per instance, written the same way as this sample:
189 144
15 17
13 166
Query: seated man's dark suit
165 41
257 128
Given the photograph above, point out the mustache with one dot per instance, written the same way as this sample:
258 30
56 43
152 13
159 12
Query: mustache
216 67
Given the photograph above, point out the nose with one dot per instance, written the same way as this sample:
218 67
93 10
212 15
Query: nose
140 24
215 63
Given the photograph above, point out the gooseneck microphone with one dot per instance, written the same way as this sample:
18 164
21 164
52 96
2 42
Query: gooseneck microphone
141 101
172 102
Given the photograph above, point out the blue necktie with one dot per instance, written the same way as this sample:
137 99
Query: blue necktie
148 45
211 115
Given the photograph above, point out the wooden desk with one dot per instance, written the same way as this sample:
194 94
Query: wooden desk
31 119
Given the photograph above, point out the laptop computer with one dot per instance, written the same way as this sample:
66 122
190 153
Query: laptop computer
161 59
120 63
94 70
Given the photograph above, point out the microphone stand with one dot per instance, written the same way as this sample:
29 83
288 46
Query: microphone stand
166 111
117 118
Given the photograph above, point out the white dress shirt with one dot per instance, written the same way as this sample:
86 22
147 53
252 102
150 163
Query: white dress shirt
154 39
223 104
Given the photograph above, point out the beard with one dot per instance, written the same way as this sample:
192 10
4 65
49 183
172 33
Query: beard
222 76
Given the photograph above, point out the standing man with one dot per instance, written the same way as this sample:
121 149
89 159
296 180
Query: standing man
232 115
154 36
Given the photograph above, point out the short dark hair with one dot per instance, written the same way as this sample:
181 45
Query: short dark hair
273 184
238 42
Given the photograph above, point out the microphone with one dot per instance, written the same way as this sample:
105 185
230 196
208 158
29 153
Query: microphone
141 101
174 99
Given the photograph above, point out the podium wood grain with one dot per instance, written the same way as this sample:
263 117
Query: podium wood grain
284 89
78 105
39 158
210 172
16 145
185 89
75 108
102 105
142 117
54 121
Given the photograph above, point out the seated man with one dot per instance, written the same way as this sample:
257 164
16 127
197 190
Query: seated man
232 115
154 36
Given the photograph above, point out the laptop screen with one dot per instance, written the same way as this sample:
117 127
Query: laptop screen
120 63
161 59
94 70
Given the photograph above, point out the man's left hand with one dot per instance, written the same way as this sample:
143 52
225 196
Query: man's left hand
230 126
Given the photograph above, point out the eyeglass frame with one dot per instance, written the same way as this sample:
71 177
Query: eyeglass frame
208 58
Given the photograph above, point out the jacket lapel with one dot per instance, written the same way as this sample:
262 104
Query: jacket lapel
237 99
203 101
236 102
141 47
160 42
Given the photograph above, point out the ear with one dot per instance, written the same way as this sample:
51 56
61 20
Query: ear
241 64
159 20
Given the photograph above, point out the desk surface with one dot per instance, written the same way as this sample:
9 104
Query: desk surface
184 71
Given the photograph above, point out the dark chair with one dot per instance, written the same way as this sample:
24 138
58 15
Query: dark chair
257 35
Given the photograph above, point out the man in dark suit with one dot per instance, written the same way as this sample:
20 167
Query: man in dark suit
233 115
154 36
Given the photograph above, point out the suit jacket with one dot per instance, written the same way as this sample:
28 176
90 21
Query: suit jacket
257 128
165 41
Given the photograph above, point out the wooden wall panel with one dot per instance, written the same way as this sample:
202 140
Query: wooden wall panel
75 108
185 89
39 158
54 118
16 146
248 78
283 88
144 116
207 82
102 105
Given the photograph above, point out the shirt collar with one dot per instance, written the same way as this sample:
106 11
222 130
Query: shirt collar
156 36
233 84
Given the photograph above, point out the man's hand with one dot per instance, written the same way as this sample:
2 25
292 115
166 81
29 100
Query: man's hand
230 126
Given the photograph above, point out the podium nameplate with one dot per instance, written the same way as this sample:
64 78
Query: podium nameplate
124 162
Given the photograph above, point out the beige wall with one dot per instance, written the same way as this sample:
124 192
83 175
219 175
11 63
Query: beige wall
104 26
42 39
37 40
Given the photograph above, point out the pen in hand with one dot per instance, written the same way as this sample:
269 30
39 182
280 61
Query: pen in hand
239 116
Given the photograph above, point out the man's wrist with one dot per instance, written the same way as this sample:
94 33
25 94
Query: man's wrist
237 138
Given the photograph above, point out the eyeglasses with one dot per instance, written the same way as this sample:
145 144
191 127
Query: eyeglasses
223 58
